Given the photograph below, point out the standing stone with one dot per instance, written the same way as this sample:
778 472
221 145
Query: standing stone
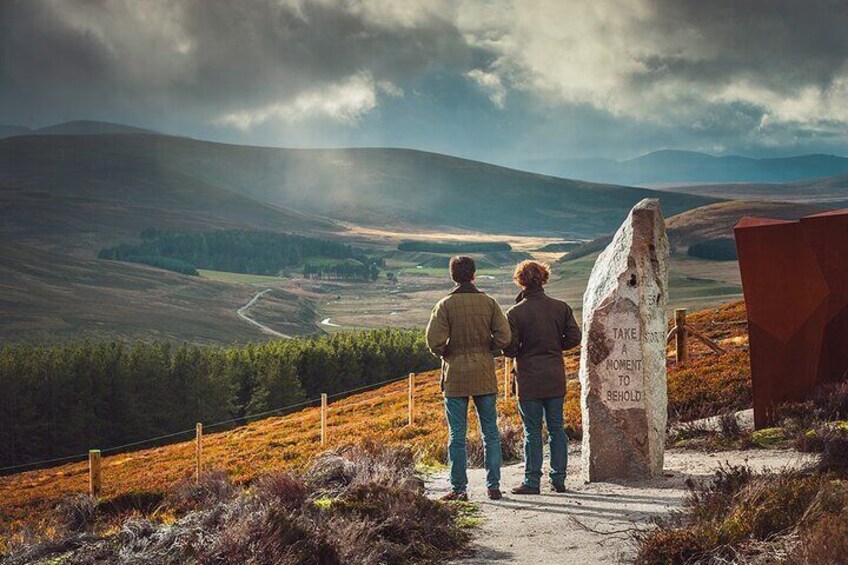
622 369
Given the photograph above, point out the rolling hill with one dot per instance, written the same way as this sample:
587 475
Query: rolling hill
673 166
76 127
45 296
828 191
717 220
375 187
711 222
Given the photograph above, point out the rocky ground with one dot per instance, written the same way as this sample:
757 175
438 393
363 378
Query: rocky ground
591 523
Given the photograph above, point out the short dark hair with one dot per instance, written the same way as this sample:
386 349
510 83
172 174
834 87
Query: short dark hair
462 269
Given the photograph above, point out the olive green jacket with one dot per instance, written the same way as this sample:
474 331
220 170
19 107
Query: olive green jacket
466 330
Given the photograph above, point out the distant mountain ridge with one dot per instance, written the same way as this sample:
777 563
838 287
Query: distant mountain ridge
369 186
828 191
673 166
76 127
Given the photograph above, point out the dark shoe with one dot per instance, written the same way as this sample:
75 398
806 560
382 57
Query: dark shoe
558 488
455 496
495 494
524 489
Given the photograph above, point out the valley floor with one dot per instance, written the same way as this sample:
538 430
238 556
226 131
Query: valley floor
591 523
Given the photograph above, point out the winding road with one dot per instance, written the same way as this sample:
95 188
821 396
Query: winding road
242 314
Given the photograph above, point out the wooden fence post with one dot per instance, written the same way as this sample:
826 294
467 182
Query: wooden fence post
507 379
94 477
411 398
198 451
323 418
682 349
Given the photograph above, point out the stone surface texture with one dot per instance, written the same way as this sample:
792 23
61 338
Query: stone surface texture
624 394
795 279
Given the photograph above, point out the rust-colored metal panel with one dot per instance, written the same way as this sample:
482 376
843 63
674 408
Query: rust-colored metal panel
795 279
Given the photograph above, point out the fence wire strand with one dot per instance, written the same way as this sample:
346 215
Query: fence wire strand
245 419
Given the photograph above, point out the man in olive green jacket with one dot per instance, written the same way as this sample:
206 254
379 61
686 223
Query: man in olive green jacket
466 330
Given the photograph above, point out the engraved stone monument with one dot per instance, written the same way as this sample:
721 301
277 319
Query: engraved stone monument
622 369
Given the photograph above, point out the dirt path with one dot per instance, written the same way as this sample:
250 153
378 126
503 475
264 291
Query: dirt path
589 524
242 314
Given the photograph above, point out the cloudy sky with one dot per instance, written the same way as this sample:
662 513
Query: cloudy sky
506 81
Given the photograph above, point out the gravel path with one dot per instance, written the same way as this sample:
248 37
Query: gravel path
588 524
242 313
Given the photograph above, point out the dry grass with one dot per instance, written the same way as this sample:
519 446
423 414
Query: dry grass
358 505
291 442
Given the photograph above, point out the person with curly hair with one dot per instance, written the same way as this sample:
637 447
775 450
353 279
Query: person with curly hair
542 328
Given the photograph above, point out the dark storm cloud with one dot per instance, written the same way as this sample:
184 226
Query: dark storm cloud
540 76
206 56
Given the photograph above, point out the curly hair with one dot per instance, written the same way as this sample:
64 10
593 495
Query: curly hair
531 274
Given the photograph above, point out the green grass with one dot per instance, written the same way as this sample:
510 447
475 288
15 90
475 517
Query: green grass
468 514
238 278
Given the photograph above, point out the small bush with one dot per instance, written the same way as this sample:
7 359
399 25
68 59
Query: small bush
512 445
376 515
736 511
825 542
281 489
76 514
729 426
213 487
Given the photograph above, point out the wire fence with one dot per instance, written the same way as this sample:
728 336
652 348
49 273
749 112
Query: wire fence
238 421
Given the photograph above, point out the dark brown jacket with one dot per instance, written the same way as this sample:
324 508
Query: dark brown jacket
542 328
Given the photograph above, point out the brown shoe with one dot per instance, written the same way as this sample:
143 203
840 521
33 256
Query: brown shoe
558 488
454 496
495 494
524 489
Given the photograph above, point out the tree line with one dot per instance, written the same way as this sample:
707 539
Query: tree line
237 251
65 399
719 249
345 271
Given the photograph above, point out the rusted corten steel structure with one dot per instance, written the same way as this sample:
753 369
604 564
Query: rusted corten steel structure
795 279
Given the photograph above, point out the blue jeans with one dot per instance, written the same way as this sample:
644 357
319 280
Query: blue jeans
531 416
456 409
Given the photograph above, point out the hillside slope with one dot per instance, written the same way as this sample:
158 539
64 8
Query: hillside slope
710 222
825 191
717 220
45 296
55 195
291 441
369 186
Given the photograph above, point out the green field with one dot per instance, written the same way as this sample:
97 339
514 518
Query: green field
240 278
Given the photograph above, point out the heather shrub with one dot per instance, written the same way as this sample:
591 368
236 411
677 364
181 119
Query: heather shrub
336 470
281 489
213 487
825 542
512 441
372 511
399 526
76 514
709 385
736 513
